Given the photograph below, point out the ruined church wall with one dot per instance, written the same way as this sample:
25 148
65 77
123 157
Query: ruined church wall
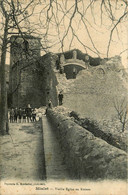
29 90
22 87
35 82
47 79
93 92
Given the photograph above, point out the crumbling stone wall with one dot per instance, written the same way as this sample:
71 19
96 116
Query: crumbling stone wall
94 90
34 82
24 88
87 156
80 56
24 49
47 81
24 52
28 92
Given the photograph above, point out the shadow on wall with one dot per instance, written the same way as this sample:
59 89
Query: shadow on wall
72 70
47 81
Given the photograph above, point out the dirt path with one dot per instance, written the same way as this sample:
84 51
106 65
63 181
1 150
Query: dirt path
54 160
21 153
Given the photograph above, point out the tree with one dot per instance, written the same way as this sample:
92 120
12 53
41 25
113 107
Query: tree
121 108
13 14
92 16
58 23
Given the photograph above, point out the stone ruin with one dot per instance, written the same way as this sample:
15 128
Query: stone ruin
35 79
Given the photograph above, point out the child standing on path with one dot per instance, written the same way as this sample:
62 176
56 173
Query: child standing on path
28 112
15 114
33 115
20 114
12 115
24 116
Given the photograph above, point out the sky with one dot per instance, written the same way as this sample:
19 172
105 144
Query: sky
99 33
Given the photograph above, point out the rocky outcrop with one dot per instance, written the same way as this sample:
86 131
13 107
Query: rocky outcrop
87 156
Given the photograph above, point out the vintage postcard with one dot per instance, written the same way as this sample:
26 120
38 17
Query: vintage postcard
63 97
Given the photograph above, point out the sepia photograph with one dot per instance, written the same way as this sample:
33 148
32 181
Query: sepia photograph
63 97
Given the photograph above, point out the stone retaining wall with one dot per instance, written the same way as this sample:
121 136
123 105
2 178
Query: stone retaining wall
86 156
97 131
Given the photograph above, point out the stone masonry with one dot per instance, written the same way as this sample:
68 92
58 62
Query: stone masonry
87 156
32 78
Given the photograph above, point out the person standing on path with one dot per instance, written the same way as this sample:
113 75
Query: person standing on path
24 116
34 115
60 97
49 105
15 114
20 114
12 115
28 113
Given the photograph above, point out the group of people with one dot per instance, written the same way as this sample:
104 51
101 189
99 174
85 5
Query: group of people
22 114
28 114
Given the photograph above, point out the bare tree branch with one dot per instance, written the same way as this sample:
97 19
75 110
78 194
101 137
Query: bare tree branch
111 33
122 112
